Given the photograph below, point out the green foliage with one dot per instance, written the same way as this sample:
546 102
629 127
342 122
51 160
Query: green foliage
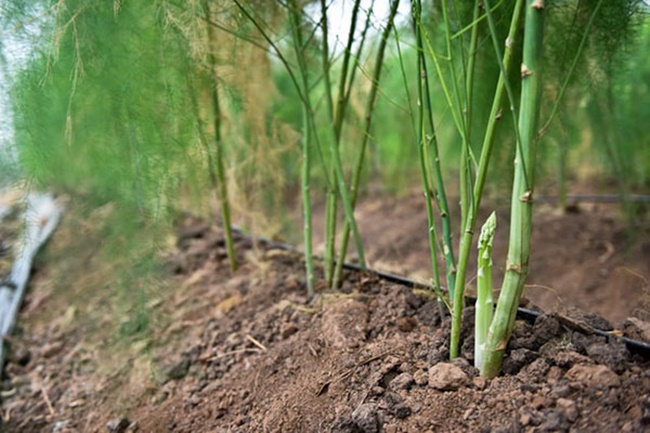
107 110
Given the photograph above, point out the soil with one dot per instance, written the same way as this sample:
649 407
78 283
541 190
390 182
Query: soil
250 351
584 258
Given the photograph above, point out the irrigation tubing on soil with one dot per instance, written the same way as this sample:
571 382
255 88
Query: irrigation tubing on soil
41 217
634 346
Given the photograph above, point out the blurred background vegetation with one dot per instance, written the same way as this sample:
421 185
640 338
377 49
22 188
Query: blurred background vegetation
111 105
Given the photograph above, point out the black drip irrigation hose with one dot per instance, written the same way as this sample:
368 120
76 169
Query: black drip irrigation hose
634 346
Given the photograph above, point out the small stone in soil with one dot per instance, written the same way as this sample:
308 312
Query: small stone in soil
479 382
446 377
365 418
406 324
118 425
402 381
421 378
396 406
177 370
287 330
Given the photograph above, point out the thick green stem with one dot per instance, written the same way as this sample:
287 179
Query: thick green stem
479 183
370 107
522 192
222 189
484 300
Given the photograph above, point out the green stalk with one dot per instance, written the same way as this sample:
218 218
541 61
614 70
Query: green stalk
306 144
522 192
330 208
479 183
484 300
370 107
440 195
337 119
466 173
337 126
563 153
222 189
422 150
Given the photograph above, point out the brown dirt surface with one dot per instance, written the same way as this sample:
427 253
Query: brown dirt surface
584 258
251 352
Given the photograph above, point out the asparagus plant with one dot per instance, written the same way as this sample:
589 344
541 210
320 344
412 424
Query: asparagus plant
484 300
336 118
306 142
522 191
219 171
369 109
481 177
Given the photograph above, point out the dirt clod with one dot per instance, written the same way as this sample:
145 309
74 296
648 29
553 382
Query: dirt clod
446 377
517 359
593 375
568 408
176 371
402 381
637 329
344 323
613 354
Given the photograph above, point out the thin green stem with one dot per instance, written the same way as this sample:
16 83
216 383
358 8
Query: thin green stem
306 144
422 86
440 194
572 69
369 110
222 189
336 118
330 208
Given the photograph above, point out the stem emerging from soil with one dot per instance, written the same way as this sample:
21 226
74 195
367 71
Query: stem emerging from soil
370 106
222 189
522 192
479 183
306 144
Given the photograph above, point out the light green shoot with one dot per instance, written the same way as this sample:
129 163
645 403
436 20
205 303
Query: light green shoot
484 299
